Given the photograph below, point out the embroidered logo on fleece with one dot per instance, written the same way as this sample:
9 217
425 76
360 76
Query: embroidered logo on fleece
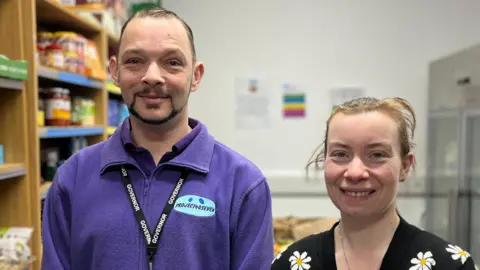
195 206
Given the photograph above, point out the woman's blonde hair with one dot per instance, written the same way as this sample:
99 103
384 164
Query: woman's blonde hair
397 108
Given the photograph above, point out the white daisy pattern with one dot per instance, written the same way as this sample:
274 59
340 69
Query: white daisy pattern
299 262
458 253
423 261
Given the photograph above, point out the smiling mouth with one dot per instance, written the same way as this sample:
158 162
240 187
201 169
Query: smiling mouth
359 194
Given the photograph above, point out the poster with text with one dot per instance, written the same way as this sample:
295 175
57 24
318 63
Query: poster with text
252 102
294 102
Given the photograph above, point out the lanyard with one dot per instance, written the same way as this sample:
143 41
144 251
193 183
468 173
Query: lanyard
152 241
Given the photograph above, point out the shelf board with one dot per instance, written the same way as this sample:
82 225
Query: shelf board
44 189
7 83
55 14
11 170
113 89
67 132
70 78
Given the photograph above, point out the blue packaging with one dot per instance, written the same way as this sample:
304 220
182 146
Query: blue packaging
1 154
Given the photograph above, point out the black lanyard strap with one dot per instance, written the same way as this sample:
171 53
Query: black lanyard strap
152 241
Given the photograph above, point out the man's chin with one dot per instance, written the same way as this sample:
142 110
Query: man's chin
153 119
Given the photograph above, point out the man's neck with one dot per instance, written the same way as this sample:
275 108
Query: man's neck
158 139
369 234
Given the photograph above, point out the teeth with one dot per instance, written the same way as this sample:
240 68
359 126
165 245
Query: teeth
357 194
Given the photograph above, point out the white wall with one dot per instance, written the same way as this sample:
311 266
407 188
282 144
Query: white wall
383 46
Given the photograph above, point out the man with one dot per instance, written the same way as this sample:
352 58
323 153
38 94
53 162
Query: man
160 193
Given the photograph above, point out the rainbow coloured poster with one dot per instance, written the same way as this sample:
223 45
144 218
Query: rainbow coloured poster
294 105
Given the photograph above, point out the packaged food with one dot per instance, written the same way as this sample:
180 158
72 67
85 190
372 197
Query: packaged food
54 106
88 112
55 57
77 111
67 40
41 108
71 61
44 39
93 67
14 249
67 105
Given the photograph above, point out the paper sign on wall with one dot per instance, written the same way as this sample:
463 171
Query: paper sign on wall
252 100
294 102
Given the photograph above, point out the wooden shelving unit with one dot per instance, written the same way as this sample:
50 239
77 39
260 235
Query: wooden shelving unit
20 189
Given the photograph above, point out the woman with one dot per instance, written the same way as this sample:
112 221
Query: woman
366 154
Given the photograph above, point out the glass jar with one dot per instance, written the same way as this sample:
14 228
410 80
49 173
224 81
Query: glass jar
55 57
67 105
71 61
54 106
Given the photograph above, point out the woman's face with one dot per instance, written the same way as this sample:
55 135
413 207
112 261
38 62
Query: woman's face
363 164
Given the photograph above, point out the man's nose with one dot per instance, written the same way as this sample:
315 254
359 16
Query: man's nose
356 170
153 75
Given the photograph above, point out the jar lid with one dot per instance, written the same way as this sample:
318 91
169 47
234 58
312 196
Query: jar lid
54 47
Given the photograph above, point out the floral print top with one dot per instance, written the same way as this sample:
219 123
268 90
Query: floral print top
410 249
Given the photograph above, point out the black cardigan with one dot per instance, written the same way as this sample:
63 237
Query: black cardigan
409 245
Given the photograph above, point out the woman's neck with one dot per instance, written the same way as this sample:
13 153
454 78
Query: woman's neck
368 234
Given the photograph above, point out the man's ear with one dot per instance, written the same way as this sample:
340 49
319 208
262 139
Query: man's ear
113 68
198 71
407 163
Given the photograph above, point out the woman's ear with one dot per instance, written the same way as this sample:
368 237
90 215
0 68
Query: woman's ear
407 162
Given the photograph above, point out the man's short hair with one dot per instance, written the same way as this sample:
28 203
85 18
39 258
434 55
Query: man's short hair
161 13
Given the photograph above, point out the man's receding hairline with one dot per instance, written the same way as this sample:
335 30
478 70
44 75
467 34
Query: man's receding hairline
168 16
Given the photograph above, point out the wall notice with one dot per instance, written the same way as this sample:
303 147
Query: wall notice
252 104
294 102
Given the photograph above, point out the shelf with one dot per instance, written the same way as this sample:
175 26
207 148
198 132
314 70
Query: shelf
113 89
70 78
11 170
44 189
6 83
53 13
67 132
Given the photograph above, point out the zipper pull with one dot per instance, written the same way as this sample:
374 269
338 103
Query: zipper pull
150 265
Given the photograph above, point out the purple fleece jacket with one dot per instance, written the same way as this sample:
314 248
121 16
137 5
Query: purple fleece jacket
222 219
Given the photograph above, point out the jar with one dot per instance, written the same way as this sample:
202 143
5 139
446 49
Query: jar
55 56
44 39
54 104
81 46
66 40
41 108
67 105
77 111
71 61
80 66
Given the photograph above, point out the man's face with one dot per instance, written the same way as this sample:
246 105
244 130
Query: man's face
155 69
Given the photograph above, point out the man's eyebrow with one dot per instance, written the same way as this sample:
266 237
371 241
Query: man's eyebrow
168 51
134 51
